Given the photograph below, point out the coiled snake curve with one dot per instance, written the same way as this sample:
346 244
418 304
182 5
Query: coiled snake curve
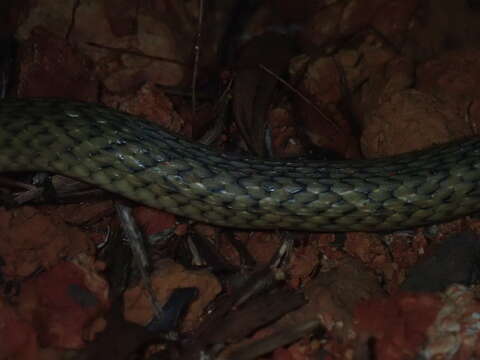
137 159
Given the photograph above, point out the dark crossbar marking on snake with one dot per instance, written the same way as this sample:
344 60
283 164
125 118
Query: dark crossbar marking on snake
139 160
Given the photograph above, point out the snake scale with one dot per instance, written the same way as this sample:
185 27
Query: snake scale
139 160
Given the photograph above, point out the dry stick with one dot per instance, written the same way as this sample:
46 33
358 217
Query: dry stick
220 111
139 252
303 97
197 56
136 53
260 347
72 20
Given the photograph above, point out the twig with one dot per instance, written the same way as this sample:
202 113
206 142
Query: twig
72 20
196 50
136 53
220 113
303 97
137 245
260 347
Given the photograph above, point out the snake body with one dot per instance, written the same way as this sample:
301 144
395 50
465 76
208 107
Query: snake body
139 160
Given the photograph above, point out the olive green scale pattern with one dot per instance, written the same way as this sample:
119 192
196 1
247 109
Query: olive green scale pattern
140 161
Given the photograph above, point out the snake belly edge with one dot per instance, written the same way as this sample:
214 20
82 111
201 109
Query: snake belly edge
139 160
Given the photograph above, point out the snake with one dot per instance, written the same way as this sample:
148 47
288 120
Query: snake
139 160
